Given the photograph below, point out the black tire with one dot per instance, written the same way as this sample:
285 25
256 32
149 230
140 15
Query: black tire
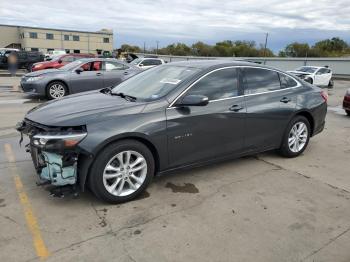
331 84
29 67
347 112
51 85
309 80
285 149
95 179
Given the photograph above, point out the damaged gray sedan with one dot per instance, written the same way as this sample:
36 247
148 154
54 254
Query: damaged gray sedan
173 116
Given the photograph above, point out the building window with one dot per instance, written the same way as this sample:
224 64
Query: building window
75 38
105 40
67 51
34 49
33 35
76 51
66 37
49 36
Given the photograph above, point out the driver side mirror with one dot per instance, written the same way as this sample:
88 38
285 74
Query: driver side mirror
79 70
194 100
141 65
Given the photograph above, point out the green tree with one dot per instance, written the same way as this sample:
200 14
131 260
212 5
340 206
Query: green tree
130 48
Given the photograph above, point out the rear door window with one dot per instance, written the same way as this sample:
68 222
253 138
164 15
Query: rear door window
259 80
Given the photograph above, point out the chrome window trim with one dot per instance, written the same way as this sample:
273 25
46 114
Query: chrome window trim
226 98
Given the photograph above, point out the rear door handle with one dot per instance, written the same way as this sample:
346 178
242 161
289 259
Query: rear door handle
126 73
285 100
236 108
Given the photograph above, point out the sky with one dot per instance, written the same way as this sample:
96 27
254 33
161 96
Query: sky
138 21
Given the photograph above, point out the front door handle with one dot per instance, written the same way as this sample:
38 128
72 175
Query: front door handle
236 108
126 73
285 100
98 74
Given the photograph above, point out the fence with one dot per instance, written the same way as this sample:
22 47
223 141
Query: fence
339 65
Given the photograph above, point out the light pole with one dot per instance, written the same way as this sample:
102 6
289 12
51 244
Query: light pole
267 35
157 47
144 47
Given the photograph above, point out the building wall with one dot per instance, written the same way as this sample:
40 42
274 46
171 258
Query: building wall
88 42
8 35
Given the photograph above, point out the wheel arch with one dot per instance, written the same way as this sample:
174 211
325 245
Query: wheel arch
84 170
309 117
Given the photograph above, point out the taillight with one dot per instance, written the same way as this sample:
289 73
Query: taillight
324 95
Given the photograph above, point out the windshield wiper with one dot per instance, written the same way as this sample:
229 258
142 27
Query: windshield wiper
126 97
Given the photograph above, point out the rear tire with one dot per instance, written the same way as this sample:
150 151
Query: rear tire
347 112
56 90
296 137
121 171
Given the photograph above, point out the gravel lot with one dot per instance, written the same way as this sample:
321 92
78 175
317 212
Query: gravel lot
258 208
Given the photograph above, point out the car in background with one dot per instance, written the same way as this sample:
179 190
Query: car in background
177 115
79 76
59 61
49 55
346 102
316 75
146 63
25 59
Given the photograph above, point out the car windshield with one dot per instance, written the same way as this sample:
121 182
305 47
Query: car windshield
72 65
307 69
154 83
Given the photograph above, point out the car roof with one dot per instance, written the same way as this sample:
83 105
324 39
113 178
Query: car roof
203 64
152 58
91 59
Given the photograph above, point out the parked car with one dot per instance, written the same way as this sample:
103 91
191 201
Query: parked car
79 76
25 59
49 55
59 61
147 63
319 76
346 102
172 116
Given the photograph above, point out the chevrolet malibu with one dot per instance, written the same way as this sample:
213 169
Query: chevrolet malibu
79 76
174 116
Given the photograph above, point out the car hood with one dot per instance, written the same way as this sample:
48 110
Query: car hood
299 73
80 109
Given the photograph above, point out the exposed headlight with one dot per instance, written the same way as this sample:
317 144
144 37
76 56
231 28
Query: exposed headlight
58 141
34 78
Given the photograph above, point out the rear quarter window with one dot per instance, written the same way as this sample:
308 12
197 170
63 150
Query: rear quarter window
287 81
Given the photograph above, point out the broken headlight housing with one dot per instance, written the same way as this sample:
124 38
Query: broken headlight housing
58 141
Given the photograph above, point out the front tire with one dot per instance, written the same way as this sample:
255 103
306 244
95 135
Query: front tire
331 84
296 137
347 112
122 171
56 90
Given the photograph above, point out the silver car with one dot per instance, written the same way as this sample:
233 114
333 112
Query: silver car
79 76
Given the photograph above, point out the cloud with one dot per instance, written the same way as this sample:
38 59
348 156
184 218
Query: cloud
180 20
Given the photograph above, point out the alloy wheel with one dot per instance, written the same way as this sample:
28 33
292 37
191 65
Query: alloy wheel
298 136
125 173
57 91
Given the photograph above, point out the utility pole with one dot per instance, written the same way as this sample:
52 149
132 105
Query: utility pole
267 35
144 47
157 47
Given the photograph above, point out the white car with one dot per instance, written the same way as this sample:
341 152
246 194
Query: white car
54 53
316 75
146 63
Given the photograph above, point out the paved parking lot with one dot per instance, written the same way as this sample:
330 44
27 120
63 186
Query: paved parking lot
258 208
